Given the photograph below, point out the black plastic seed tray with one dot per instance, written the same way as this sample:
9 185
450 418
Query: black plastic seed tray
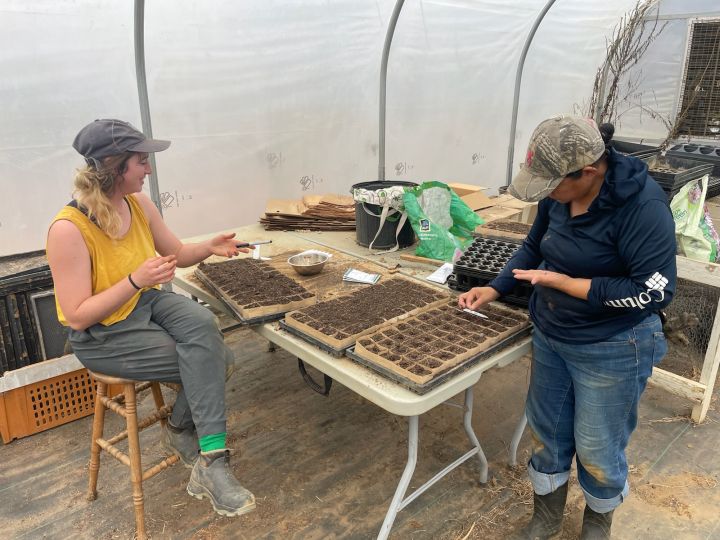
699 152
486 257
637 150
713 189
520 295
481 262
673 172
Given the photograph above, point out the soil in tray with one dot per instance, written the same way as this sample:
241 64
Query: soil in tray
253 288
508 226
439 339
340 321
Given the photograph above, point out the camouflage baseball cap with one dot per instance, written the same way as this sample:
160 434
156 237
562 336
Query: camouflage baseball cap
558 147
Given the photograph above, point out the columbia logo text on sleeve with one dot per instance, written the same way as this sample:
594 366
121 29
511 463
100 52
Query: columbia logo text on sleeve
655 292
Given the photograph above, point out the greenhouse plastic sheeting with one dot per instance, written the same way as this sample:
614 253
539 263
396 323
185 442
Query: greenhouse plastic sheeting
277 99
653 87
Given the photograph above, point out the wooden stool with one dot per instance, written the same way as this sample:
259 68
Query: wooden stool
125 405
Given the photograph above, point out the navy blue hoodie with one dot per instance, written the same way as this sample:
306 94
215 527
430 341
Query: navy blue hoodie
625 244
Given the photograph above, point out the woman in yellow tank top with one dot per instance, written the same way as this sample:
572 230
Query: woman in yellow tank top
109 250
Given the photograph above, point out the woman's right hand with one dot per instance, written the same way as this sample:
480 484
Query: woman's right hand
476 297
155 270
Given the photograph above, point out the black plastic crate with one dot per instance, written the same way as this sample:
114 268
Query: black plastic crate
700 152
520 296
713 189
637 150
673 172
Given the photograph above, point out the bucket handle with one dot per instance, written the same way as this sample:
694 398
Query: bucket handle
389 215
387 211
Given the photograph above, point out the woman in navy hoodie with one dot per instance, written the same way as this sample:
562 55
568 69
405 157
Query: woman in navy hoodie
601 255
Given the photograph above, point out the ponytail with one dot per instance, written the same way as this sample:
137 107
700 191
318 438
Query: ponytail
93 188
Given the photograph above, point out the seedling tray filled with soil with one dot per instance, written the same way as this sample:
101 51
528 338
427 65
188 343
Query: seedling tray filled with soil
504 229
427 349
673 172
253 290
337 323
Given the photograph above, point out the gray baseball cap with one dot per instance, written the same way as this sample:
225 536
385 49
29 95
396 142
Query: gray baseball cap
558 147
107 137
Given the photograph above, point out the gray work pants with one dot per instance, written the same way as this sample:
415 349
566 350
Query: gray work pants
166 338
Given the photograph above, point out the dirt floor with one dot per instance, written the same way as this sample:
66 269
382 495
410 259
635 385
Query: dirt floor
327 467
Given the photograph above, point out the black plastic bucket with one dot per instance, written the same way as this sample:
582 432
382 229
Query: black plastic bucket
367 220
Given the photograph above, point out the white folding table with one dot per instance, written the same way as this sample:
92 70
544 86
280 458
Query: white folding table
383 392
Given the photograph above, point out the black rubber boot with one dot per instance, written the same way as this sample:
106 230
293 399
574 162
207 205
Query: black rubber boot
596 526
211 477
547 516
181 442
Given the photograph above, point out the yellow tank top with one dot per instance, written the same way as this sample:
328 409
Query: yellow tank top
112 260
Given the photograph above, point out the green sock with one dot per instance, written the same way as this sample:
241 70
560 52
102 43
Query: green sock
208 443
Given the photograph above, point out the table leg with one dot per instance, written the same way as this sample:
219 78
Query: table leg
467 424
516 439
407 474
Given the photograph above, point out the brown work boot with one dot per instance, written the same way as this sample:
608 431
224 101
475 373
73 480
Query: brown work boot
596 526
211 477
546 522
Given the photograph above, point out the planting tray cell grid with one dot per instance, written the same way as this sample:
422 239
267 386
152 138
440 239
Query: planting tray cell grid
338 353
253 290
423 347
486 255
337 323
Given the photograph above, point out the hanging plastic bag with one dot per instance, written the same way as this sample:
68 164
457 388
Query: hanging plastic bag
694 231
441 220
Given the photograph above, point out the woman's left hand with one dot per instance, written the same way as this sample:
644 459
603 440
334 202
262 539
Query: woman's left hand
546 278
225 245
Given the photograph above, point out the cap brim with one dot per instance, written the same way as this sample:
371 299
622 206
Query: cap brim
531 188
150 145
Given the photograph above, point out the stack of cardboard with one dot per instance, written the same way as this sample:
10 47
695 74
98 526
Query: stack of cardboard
493 208
311 213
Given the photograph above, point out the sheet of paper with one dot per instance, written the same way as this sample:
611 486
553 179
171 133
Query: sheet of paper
356 276
441 274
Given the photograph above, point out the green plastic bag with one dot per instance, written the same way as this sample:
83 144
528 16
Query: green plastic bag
694 231
441 220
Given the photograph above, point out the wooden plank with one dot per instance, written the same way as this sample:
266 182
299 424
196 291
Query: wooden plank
709 370
423 260
698 271
675 384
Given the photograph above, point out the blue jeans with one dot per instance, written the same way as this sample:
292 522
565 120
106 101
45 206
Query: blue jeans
583 402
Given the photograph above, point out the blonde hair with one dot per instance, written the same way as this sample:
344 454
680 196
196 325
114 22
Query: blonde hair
95 185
